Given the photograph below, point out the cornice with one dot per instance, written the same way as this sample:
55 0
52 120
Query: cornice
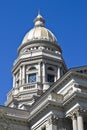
23 61
75 97
68 75
35 59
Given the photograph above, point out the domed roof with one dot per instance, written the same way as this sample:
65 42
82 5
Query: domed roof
39 32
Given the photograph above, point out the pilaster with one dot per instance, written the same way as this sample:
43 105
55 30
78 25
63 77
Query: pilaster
14 80
23 74
58 73
44 72
20 78
39 72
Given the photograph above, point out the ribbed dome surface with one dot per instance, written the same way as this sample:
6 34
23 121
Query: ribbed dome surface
39 32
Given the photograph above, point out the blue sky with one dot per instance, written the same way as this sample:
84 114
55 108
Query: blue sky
67 19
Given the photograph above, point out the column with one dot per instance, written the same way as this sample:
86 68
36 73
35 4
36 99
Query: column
20 78
13 80
23 74
58 73
74 122
55 78
44 73
39 72
80 121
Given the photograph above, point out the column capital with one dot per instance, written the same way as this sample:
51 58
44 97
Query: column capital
53 119
80 111
73 116
76 112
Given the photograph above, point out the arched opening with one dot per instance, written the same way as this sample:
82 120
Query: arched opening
31 75
32 68
50 68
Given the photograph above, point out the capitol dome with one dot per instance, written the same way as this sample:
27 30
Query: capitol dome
39 32
39 37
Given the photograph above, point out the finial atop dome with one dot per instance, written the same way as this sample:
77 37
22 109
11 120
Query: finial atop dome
38 12
39 20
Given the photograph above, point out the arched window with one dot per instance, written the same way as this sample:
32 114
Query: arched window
32 68
31 77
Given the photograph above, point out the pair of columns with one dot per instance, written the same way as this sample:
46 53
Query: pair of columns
44 73
77 121
40 74
21 76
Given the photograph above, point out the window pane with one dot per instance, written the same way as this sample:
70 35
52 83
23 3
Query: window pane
50 78
32 78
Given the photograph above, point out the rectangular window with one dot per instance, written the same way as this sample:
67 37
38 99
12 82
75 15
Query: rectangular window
50 78
31 78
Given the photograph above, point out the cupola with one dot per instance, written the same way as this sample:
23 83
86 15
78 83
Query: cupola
39 33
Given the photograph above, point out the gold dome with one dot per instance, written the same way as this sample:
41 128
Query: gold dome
39 32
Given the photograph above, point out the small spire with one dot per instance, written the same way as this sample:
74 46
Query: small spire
39 20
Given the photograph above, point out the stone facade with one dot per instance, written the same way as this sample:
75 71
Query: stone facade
45 94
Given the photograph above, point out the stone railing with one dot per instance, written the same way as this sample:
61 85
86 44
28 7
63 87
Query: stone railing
29 87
